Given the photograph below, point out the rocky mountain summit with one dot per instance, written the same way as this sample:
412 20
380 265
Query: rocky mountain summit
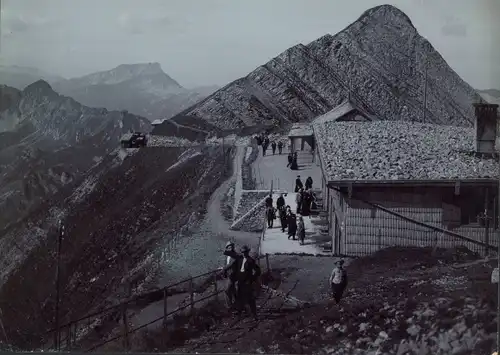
143 89
380 59
47 141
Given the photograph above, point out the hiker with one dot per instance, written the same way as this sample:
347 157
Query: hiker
306 203
248 274
280 147
301 230
230 271
264 148
290 160
309 182
269 201
292 226
283 218
271 216
295 165
273 147
280 202
338 280
298 184
298 200
266 141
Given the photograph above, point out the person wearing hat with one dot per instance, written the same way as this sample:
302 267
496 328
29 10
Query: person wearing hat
230 271
298 184
248 274
338 280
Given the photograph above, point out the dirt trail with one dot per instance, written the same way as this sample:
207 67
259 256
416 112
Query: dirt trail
202 250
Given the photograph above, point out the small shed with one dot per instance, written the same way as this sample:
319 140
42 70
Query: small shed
300 134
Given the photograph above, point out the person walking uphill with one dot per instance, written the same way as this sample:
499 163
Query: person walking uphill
298 200
301 230
298 184
230 271
248 274
273 147
338 280
269 201
280 147
309 183
290 160
280 202
271 216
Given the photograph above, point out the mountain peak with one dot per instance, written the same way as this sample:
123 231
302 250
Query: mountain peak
39 85
386 11
141 68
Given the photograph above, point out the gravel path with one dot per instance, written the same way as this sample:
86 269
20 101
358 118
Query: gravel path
202 250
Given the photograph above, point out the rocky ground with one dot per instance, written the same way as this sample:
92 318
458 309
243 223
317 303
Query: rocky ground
398 301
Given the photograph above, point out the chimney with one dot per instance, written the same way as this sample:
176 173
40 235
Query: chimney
486 127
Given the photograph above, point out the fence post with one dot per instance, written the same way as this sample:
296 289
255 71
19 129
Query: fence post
165 306
267 263
68 338
379 237
191 295
75 334
216 286
125 327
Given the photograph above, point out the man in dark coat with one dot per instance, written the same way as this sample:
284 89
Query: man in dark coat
230 271
248 274
269 201
283 219
309 183
298 184
290 160
295 165
280 147
292 225
273 147
306 203
280 202
271 215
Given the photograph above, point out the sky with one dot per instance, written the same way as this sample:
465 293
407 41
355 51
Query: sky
213 42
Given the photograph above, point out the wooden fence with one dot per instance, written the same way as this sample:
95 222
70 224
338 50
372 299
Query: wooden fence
84 330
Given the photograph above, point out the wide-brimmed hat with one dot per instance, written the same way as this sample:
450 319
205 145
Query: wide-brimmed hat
340 262
245 249
229 244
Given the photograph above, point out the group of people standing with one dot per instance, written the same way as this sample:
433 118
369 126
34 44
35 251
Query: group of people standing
305 198
242 273
263 140
290 221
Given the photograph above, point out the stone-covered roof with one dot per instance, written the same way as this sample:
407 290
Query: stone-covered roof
342 110
388 150
301 130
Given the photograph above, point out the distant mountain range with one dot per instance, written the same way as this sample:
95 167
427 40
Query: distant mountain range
380 58
142 89
491 96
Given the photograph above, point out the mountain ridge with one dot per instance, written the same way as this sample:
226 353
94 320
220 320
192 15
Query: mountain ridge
380 58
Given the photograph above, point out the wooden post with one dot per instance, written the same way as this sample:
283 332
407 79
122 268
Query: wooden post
68 338
379 239
191 295
486 224
165 296
216 286
267 263
126 343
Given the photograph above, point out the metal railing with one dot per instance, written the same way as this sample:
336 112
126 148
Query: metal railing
80 331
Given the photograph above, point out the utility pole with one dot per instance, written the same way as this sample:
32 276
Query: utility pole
57 339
